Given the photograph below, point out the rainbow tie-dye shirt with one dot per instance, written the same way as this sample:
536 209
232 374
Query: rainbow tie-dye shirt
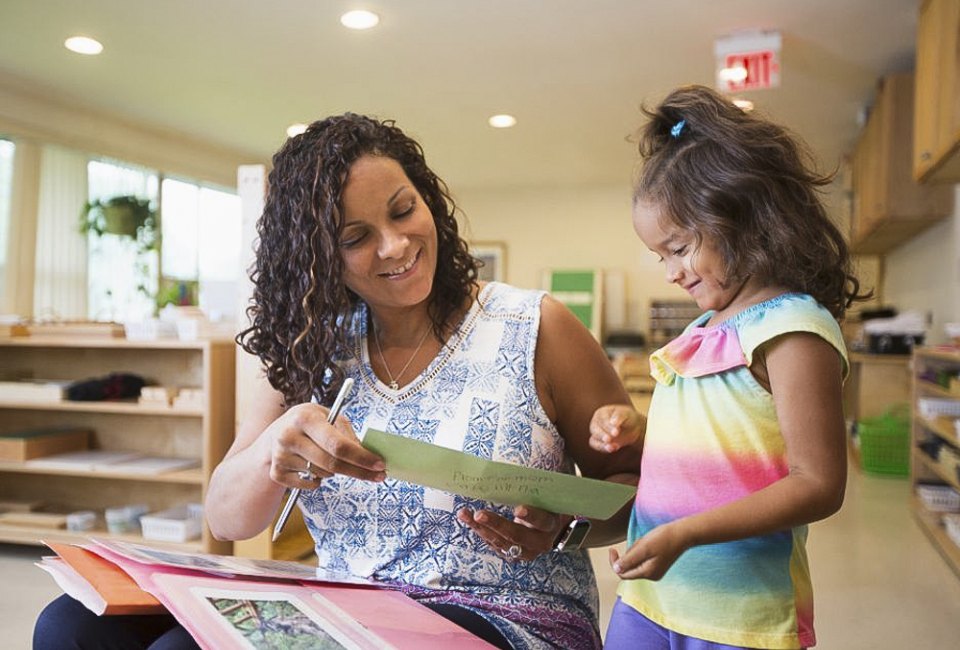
712 438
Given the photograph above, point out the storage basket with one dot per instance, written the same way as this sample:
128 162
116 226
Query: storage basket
939 498
179 524
885 442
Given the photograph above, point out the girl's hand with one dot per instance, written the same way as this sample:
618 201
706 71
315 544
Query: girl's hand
303 434
615 426
532 530
652 555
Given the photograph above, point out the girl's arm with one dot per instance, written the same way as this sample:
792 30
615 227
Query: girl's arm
272 445
805 379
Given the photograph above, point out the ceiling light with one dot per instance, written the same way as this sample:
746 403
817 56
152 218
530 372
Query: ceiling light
83 45
736 74
744 105
502 121
359 19
296 129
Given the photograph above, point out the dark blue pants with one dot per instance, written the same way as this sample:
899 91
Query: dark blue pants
65 624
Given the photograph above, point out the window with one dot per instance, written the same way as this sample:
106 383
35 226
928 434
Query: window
114 293
6 188
201 233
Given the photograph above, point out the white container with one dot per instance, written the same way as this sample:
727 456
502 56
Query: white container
150 330
178 524
82 520
125 519
939 498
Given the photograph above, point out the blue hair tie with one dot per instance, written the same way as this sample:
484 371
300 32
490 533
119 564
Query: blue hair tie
678 128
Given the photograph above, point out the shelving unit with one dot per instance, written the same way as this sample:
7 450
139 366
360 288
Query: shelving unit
923 467
203 433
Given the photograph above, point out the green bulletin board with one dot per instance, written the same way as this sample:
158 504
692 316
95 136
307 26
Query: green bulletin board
580 290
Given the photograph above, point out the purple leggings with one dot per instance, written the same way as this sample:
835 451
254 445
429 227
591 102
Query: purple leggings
631 630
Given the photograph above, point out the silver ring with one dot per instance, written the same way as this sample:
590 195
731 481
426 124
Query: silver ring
514 552
306 474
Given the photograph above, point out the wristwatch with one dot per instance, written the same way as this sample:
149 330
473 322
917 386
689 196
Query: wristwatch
572 536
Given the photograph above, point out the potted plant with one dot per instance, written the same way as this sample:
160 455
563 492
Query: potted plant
125 215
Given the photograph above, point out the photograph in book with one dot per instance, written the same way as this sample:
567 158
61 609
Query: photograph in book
225 565
274 621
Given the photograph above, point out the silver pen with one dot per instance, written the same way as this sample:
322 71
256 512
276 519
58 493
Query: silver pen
295 492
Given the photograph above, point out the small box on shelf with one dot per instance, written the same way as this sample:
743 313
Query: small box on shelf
179 524
19 446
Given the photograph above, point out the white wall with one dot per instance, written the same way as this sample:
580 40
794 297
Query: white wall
568 228
924 274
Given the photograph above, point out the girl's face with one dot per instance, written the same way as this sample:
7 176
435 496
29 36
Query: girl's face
699 271
389 240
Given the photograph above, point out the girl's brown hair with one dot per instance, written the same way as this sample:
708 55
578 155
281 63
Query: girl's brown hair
746 184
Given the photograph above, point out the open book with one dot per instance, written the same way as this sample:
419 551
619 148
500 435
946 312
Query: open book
226 602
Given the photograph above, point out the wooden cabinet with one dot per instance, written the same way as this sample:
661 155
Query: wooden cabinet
889 206
203 432
936 148
935 443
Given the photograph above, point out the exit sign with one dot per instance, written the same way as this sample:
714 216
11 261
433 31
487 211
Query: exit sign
748 61
762 70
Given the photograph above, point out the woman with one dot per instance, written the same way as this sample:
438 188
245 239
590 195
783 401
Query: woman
360 272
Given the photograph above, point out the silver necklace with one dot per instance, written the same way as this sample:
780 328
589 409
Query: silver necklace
394 381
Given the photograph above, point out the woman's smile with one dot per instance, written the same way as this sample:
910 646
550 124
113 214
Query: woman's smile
403 271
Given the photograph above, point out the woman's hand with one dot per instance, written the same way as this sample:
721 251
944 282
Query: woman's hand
650 556
532 530
615 426
305 448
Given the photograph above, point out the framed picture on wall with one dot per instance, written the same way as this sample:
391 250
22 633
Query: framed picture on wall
493 255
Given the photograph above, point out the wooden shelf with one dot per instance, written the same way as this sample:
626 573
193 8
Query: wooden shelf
105 342
127 407
932 527
923 468
930 388
941 427
193 476
33 535
935 468
204 432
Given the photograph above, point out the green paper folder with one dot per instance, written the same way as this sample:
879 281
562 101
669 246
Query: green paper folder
454 471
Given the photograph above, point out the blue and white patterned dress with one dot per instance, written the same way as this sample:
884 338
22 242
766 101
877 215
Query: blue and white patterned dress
478 396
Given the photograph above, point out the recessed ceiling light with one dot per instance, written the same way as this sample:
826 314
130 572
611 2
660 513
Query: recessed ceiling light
296 129
359 19
744 105
502 121
83 45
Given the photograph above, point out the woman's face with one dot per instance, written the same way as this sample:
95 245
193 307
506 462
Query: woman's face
389 240
699 271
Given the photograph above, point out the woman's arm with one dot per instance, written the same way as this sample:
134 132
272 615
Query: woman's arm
272 445
805 379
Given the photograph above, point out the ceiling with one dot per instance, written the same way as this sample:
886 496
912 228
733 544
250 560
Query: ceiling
573 72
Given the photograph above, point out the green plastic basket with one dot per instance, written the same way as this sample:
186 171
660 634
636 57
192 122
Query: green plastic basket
885 442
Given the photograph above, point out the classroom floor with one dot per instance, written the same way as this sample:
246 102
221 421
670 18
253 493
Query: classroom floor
878 583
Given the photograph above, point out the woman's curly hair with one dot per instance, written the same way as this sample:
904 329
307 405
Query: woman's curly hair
301 308
746 184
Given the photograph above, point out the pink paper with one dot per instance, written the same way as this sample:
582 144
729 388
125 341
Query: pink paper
353 617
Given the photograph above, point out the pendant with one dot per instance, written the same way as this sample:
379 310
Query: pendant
394 385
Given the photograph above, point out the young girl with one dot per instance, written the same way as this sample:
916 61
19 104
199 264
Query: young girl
744 445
